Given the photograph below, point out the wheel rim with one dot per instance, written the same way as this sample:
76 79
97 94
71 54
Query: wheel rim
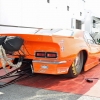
78 63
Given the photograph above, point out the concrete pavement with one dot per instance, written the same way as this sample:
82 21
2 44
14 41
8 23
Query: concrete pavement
19 92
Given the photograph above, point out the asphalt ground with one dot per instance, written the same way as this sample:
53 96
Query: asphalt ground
49 87
19 92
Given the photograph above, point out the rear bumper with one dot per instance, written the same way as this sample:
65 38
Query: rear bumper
49 62
50 67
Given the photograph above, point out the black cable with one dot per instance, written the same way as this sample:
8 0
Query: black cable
27 50
18 52
90 80
22 52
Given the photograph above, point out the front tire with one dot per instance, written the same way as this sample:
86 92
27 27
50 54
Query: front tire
76 66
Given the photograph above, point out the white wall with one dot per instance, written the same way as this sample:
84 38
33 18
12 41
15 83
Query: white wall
38 13
94 6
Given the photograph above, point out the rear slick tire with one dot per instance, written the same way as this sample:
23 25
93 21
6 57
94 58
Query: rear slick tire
76 67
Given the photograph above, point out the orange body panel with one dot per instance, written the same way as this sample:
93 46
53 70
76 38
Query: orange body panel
66 47
0 65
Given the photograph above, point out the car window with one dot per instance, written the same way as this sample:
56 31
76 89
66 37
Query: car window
88 38
60 32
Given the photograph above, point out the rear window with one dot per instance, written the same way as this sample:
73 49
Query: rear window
59 32
64 33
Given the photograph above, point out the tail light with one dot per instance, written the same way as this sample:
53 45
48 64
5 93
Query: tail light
51 55
46 54
40 54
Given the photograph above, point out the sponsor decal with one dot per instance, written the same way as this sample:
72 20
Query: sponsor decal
73 68
61 44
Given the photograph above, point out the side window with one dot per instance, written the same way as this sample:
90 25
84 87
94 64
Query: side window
88 38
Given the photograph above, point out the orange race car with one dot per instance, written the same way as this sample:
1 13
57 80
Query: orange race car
54 51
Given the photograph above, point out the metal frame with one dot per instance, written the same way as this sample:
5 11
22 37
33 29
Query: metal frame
19 73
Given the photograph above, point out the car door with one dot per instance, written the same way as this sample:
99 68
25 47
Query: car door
93 49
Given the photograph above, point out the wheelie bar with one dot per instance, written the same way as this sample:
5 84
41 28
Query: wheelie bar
20 73
15 80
